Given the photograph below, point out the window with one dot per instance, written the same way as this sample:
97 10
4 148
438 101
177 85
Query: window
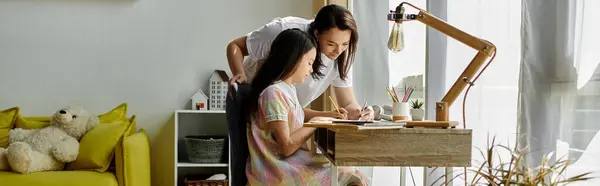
491 104
407 67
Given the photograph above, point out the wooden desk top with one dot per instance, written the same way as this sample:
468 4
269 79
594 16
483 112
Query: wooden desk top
358 127
355 145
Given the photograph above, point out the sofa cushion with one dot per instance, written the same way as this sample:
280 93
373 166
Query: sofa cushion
7 120
60 178
116 114
36 122
97 147
132 153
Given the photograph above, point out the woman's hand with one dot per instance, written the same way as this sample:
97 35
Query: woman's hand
240 78
233 82
368 114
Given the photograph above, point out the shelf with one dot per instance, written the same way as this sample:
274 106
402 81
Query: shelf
202 165
198 122
200 111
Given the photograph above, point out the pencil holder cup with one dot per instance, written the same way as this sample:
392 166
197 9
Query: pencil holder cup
400 111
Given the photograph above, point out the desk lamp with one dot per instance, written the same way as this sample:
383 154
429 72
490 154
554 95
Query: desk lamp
485 49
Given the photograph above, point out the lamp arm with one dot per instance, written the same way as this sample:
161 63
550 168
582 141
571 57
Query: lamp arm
485 49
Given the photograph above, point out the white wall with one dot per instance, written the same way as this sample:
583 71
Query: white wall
152 54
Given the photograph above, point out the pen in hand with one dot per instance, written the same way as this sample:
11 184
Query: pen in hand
364 107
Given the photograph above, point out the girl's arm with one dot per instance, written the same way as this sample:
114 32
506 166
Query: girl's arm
309 114
288 143
236 50
345 97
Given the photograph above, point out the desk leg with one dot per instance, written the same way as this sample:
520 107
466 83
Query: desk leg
447 176
402 176
313 145
334 175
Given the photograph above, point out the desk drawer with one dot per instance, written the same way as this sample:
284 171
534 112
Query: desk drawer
396 147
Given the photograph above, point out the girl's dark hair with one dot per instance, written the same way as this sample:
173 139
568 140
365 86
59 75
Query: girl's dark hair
336 16
286 50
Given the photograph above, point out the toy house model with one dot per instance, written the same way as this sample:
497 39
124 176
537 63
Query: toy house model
218 90
199 101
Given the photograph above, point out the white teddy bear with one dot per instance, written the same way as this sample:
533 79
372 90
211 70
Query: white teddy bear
48 148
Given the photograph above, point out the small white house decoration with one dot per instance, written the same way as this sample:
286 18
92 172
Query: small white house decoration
218 90
199 101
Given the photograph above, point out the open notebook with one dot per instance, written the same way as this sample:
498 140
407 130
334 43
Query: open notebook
350 121
356 122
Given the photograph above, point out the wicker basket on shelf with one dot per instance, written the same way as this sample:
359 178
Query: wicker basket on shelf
206 183
205 149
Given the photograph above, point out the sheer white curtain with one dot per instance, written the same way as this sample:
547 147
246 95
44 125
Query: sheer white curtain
560 82
491 105
371 67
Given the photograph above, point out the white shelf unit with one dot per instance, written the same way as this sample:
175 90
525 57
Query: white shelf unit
195 123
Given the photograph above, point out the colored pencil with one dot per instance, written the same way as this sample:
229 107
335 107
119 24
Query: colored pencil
406 94
395 94
391 95
411 91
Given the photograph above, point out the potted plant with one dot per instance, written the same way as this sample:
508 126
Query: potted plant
417 112
493 170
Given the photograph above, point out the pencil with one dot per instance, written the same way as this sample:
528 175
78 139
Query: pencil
391 95
336 107
411 91
406 94
395 94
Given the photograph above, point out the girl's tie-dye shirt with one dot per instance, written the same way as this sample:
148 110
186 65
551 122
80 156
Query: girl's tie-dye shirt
265 166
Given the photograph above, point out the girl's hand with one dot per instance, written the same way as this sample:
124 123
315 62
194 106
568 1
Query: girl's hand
334 114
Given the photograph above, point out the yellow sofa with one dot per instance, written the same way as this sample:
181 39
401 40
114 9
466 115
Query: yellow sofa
129 163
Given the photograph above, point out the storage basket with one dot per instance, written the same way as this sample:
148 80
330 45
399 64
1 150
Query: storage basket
205 149
195 181
206 183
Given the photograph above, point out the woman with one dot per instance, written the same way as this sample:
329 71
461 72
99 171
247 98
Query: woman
276 137
335 30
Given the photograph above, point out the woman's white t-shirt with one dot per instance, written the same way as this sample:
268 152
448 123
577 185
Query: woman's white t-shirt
258 43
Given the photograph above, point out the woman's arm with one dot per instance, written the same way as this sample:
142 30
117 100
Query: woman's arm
288 143
236 50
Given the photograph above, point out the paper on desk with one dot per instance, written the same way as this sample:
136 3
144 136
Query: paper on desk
342 121
385 124
321 120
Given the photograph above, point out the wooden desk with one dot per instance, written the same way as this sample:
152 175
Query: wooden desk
352 145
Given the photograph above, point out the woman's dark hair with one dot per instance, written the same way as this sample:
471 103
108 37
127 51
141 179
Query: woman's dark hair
336 16
286 50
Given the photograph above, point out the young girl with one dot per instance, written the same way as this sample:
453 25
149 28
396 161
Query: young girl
276 137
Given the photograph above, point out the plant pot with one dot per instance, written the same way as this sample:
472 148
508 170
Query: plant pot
417 114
